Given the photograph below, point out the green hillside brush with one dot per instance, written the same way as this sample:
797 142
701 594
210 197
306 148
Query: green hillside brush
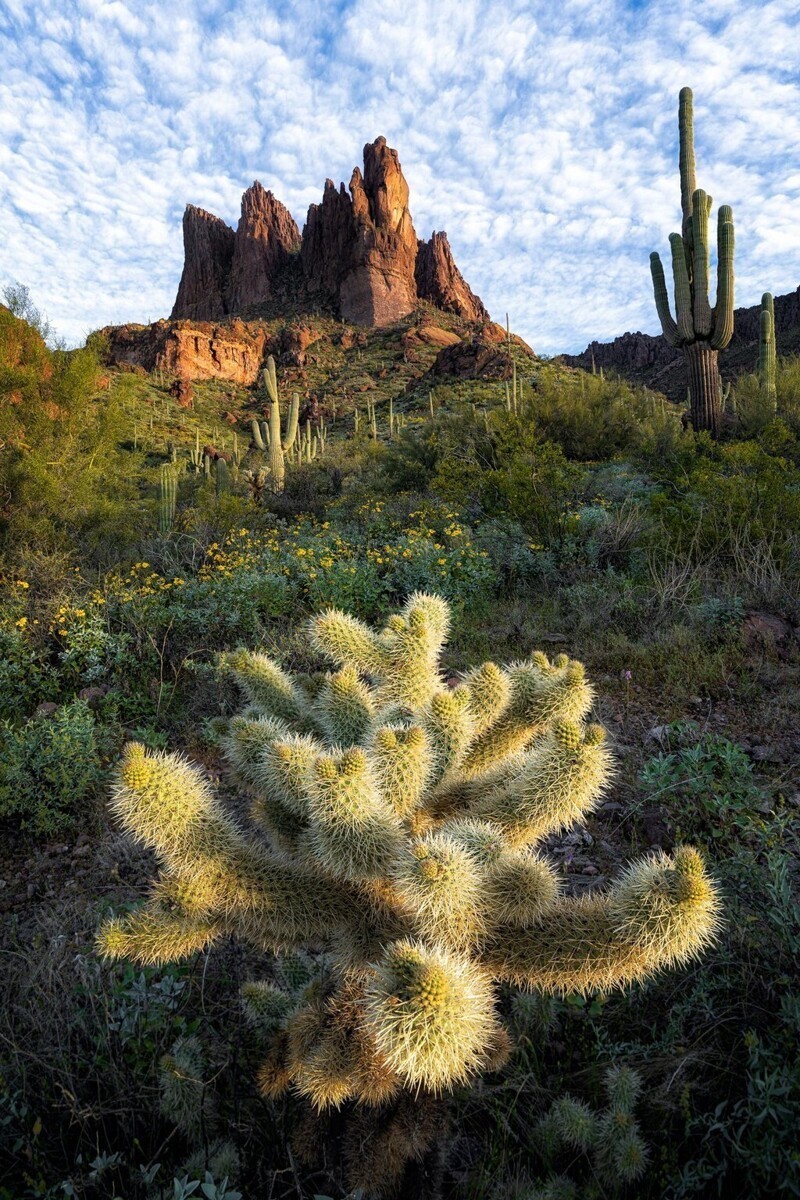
766 350
701 331
279 446
401 819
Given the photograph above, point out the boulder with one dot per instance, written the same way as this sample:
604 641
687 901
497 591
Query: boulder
473 359
181 390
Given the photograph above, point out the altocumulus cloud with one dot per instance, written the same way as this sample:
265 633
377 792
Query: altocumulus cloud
542 136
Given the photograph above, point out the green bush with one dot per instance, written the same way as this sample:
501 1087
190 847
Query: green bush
63 473
25 678
51 769
722 499
710 785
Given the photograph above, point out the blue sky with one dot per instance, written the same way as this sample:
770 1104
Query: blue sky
541 136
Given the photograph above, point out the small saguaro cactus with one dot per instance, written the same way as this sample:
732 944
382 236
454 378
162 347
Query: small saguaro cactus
702 331
222 478
401 819
279 447
167 496
766 350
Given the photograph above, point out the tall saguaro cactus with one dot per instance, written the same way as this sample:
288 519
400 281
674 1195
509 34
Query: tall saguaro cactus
279 446
766 350
402 819
700 330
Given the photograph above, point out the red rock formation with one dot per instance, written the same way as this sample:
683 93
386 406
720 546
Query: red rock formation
181 390
191 350
428 335
473 360
208 245
380 287
327 243
359 255
441 283
480 357
265 237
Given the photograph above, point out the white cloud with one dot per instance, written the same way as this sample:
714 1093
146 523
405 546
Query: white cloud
550 157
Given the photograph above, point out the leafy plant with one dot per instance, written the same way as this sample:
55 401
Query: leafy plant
51 769
709 782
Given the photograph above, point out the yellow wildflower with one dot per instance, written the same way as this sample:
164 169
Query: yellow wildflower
22 622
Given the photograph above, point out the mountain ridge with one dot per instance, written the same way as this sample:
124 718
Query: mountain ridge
647 358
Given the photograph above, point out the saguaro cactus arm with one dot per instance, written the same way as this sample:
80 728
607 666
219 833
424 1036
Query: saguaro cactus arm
686 160
668 323
723 309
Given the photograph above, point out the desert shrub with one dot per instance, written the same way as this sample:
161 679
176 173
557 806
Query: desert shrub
63 474
711 786
715 496
26 678
51 769
593 418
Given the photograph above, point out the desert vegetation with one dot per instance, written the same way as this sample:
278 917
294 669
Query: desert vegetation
398 765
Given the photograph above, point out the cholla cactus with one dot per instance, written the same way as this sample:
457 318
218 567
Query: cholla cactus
401 818
612 1137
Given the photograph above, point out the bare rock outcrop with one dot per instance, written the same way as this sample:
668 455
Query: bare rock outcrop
265 237
440 282
380 287
359 250
191 349
208 245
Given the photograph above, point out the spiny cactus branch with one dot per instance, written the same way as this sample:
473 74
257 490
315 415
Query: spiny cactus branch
399 820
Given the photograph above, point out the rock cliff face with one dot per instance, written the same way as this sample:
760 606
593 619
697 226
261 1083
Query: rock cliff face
265 238
358 257
233 351
649 359
208 245
440 282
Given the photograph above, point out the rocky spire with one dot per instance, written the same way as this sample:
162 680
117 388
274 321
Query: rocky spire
265 237
440 282
359 255
208 245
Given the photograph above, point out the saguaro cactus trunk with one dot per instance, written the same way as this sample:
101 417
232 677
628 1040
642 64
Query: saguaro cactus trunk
766 350
702 331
